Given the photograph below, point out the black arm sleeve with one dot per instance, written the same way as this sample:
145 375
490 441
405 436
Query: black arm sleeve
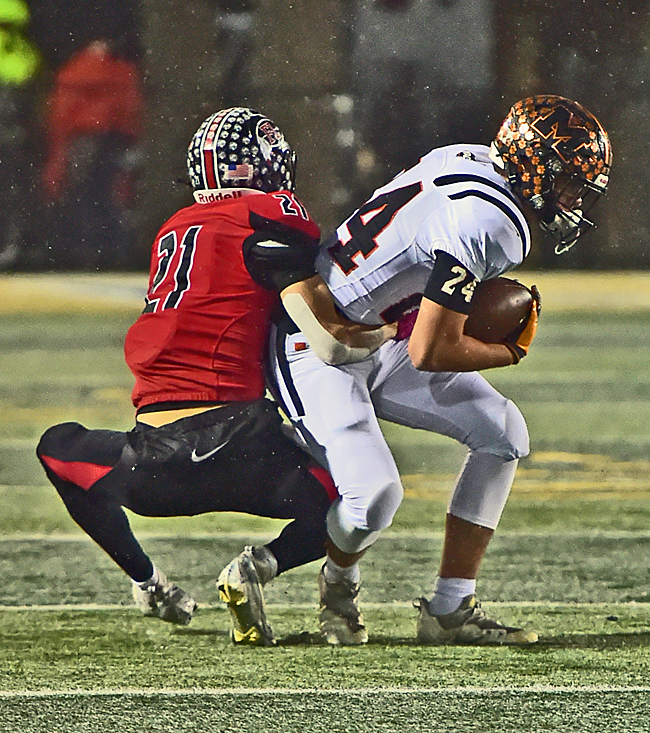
450 284
277 256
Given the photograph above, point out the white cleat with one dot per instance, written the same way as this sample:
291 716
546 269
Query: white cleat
164 600
341 622
468 624
241 589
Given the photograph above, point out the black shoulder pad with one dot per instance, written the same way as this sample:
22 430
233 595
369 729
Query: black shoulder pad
275 262
283 231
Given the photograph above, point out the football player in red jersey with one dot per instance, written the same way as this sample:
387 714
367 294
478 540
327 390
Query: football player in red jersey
206 439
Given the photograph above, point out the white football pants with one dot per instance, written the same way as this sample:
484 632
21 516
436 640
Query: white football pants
336 409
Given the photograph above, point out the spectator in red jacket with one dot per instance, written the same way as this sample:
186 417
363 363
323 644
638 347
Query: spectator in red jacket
93 128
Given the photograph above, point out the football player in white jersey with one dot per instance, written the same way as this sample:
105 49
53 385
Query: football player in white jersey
413 254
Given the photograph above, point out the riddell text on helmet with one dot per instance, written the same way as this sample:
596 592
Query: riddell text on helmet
208 196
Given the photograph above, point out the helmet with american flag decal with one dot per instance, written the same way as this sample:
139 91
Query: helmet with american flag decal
556 156
240 148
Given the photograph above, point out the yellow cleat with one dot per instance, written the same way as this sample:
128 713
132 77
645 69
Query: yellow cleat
241 590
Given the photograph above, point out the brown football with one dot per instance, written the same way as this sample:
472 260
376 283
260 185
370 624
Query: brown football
500 308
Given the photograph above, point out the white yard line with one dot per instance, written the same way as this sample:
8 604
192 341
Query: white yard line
386 536
311 606
341 692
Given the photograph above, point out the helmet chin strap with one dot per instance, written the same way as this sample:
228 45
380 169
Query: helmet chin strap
563 225
561 248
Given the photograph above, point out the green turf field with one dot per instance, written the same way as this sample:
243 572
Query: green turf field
570 559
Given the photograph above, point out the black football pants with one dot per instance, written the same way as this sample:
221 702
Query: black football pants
234 458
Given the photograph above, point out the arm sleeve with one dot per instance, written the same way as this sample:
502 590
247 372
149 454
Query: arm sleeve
450 284
326 346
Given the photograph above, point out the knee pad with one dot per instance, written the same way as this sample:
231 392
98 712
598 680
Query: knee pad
354 529
516 432
55 438
383 506
344 534
503 432
71 453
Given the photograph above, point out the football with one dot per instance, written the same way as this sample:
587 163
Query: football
500 308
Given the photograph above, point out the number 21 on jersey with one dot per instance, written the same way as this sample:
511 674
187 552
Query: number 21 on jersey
172 278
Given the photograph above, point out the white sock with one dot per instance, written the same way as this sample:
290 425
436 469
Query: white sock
334 572
152 580
448 593
266 563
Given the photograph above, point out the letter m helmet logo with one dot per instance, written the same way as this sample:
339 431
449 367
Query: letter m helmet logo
568 134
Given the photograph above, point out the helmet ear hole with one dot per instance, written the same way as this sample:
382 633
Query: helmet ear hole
240 148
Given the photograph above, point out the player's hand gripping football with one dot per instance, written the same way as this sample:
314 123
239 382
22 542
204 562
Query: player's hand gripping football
519 344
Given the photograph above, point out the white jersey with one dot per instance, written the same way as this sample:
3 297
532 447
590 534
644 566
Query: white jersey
379 261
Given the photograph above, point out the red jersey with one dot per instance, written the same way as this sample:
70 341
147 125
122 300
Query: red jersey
203 333
94 93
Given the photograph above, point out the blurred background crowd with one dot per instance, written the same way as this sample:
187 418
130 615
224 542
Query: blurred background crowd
98 101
